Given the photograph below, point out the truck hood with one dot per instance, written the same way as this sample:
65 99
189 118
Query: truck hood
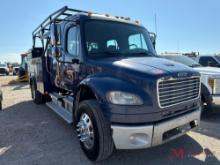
153 63
146 65
208 70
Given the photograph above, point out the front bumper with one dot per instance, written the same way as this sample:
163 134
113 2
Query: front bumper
137 137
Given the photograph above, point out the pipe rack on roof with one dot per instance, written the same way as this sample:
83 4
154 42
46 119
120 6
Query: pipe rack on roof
55 17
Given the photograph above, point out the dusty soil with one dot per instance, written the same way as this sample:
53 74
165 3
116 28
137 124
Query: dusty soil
33 135
13 94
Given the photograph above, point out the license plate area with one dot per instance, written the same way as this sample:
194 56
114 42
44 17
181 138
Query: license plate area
179 130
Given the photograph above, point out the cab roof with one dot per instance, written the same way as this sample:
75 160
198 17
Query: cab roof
67 13
105 17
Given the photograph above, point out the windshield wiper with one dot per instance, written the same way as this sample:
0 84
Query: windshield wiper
124 54
146 53
106 53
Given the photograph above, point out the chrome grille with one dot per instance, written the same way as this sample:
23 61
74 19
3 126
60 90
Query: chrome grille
176 91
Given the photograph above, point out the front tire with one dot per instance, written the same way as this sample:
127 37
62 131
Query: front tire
93 129
37 97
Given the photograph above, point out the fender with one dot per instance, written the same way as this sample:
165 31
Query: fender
102 84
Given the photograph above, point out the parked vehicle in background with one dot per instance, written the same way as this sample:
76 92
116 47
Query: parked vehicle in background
15 69
102 74
4 69
210 78
23 74
209 60
10 68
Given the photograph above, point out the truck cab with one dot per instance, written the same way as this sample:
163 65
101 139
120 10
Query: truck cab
102 74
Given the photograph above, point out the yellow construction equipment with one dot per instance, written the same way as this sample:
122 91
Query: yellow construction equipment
23 70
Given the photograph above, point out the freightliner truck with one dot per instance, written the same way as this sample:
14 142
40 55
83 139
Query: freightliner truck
101 74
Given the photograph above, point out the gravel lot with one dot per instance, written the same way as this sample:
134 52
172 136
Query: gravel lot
33 135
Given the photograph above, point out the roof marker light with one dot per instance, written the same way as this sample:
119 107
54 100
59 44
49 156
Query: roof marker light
127 18
137 22
89 13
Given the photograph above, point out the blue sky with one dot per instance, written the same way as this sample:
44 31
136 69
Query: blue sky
183 25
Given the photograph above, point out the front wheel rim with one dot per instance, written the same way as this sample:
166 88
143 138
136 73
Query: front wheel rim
85 131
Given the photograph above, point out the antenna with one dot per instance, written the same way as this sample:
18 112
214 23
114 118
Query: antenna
155 21
178 46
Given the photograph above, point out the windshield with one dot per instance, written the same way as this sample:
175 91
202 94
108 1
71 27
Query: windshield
183 59
218 58
108 38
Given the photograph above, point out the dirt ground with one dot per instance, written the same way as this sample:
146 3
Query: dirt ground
33 135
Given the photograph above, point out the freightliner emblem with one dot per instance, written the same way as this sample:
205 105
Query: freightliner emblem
182 74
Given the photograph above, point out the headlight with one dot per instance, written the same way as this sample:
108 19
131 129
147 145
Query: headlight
123 98
215 85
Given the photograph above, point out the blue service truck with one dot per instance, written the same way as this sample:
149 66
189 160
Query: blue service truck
101 74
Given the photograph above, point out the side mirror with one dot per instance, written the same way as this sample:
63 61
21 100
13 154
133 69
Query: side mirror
56 51
36 52
153 37
55 34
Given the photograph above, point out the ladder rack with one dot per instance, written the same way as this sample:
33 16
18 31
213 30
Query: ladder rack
55 17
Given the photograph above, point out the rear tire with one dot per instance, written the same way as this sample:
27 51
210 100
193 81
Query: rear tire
103 145
37 97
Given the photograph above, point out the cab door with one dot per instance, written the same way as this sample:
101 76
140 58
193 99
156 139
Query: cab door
71 57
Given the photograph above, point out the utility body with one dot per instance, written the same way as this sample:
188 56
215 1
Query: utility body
102 74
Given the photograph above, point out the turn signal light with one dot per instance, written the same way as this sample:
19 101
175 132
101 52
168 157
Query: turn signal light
211 83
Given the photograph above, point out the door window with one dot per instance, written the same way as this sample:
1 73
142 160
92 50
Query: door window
72 42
